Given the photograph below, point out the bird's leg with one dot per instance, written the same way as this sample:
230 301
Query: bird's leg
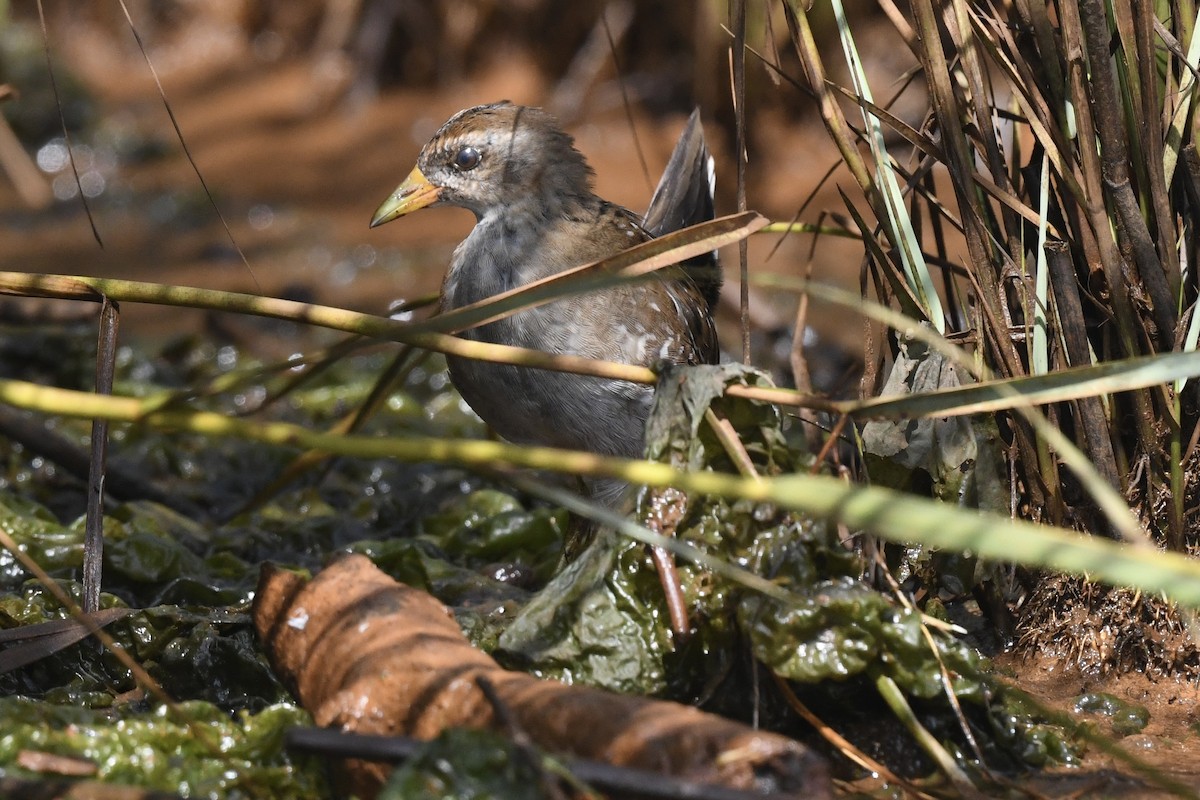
667 509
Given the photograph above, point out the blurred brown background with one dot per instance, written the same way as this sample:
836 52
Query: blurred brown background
303 114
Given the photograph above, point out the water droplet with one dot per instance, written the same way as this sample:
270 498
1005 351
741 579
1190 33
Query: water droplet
227 357
261 217
93 183
52 157
64 187
342 274
364 256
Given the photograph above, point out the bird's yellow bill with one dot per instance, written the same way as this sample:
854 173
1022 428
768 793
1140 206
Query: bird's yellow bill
416 192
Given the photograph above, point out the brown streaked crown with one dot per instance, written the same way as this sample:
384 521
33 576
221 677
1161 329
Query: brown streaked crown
500 155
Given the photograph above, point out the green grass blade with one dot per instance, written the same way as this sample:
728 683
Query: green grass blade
916 269
1183 108
1003 395
1039 354
893 515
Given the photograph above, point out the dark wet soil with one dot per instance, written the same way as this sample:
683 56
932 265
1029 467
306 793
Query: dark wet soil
1169 744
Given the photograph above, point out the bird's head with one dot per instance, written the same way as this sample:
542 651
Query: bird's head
490 158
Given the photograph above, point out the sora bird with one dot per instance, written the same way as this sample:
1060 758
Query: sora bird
536 215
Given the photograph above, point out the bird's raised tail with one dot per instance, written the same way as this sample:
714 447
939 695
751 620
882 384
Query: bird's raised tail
685 197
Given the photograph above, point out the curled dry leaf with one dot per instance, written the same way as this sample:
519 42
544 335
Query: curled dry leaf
367 654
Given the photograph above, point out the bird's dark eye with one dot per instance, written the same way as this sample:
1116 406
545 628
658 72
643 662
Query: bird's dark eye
467 158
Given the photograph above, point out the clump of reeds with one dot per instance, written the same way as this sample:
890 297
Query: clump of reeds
1058 151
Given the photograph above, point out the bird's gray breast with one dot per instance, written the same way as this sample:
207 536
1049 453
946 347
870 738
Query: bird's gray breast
535 406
